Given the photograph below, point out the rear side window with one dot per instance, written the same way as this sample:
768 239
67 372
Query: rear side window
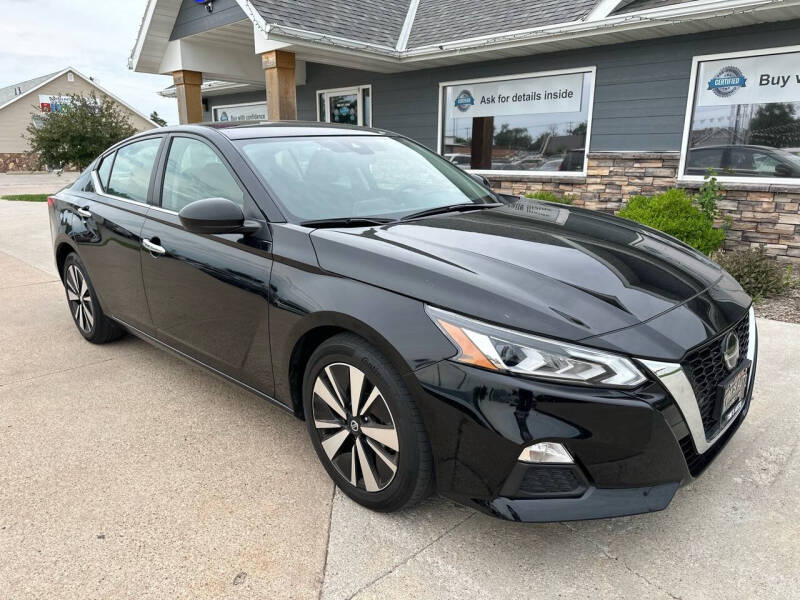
194 172
105 169
133 167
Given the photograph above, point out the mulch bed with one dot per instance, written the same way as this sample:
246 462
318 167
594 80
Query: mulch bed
785 307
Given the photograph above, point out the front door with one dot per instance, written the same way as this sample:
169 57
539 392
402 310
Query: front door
208 293
350 106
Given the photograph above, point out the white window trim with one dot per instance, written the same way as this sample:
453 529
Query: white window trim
687 124
500 173
360 89
221 106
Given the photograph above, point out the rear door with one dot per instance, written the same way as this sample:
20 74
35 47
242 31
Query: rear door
208 293
110 214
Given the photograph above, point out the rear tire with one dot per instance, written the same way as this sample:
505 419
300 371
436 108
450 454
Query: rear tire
88 316
373 443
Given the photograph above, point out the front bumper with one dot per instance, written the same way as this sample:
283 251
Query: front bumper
632 448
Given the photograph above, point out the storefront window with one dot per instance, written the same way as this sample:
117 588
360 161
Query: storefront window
528 123
351 106
745 117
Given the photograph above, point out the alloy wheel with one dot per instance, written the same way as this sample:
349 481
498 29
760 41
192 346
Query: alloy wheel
80 299
355 427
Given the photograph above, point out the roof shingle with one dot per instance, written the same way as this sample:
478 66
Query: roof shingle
440 21
10 92
371 21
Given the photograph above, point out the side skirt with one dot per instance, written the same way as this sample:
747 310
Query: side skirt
182 355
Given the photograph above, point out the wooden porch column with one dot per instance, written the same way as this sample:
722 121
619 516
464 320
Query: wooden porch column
281 93
190 101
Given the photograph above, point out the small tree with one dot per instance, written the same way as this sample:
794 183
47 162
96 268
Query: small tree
76 134
157 119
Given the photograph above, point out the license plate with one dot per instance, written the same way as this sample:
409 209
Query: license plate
734 389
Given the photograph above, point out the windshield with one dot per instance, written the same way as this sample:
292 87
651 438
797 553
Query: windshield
334 177
792 159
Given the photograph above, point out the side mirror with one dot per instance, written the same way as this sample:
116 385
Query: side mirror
216 215
481 179
782 170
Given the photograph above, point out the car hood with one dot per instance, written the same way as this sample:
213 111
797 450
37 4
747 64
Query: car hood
539 267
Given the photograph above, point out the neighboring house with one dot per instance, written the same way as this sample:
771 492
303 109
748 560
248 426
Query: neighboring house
622 91
21 103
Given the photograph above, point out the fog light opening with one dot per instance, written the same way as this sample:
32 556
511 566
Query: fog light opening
547 452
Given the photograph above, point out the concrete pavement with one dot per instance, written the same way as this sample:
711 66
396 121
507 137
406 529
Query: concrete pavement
125 473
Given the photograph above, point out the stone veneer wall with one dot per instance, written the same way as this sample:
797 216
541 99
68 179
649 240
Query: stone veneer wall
18 162
766 215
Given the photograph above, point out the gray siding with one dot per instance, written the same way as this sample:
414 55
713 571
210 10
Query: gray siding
640 94
194 18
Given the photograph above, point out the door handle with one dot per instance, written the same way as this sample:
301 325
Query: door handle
153 248
84 212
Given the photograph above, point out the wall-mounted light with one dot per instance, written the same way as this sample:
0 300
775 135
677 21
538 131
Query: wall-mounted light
209 4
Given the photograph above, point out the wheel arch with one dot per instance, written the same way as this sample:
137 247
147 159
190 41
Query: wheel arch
63 249
314 331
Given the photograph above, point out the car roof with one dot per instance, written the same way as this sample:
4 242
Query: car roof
241 130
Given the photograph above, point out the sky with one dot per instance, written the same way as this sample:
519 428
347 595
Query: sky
95 37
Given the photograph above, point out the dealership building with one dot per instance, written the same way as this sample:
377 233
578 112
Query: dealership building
599 99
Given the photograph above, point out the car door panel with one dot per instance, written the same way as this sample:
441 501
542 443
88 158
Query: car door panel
208 294
208 297
106 231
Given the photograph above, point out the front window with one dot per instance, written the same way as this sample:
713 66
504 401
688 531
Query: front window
524 123
745 117
358 176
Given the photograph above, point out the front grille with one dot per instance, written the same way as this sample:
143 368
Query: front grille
550 480
706 371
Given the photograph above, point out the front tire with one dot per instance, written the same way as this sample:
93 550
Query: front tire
89 318
365 426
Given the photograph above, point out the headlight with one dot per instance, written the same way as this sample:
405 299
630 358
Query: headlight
491 347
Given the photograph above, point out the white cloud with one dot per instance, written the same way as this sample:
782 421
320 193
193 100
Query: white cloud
94 37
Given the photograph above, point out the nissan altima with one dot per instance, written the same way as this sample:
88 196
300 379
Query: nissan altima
535 361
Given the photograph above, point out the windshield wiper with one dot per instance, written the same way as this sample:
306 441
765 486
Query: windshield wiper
451 208
346 222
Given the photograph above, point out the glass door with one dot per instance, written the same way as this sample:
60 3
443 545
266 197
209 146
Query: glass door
350 106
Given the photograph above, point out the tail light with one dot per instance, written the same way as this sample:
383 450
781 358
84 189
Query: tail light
50 201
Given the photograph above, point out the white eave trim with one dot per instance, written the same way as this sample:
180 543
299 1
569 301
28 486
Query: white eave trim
144 27
87 80
602 9
405 32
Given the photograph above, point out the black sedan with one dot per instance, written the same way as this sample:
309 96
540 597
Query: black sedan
536 361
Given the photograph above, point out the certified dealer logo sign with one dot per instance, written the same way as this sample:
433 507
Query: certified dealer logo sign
727 82
464 100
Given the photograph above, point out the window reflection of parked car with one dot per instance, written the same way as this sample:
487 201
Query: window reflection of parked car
460 160
552 164
573 160
743 161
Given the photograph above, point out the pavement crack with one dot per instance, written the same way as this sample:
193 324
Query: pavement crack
327 543
58 371
388 572
22 285
620 561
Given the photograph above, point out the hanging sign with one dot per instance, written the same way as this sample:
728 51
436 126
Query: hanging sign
558 93
749 80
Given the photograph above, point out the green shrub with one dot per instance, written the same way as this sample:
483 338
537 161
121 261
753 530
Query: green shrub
549 196
757 273
673 212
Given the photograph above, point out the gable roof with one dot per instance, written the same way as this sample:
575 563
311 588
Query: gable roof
372 21
10 92
439 21
32 85
396 35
